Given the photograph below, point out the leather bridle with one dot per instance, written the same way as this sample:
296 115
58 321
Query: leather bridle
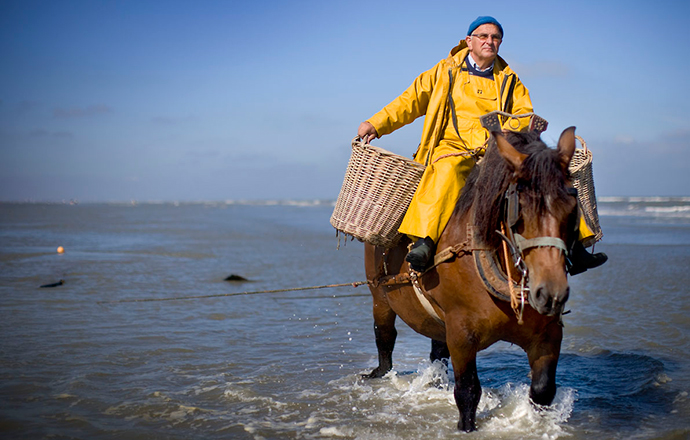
518 245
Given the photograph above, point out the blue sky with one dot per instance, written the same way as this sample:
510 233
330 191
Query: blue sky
231 100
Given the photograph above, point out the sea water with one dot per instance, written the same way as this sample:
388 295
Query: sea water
77 362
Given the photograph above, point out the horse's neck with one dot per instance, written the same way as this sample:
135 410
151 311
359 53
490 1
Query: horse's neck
463 228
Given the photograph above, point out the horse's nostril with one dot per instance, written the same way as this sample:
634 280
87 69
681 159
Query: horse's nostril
538 293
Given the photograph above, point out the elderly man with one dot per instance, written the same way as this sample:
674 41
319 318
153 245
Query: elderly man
472 81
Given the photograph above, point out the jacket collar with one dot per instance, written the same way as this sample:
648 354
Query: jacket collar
458 54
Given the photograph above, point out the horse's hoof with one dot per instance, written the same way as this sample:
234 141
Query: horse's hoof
436 383
466 427
375 373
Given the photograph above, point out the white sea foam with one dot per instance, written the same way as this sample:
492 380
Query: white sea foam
657 207
611 199
650 199
667 209
512 415
645 211
421 404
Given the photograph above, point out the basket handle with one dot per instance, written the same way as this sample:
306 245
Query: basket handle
357 141
582 141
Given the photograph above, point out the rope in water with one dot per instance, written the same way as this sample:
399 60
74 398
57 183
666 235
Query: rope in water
220 295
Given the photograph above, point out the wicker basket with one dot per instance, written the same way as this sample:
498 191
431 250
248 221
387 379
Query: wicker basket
583 180
375 195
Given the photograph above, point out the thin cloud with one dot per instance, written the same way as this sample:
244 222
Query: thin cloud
678 135
668 143
81 112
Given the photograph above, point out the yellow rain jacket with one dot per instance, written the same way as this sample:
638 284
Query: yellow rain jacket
447 146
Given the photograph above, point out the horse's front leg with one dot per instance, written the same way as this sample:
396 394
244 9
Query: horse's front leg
467 393
385 333
468 390
543 360
375 263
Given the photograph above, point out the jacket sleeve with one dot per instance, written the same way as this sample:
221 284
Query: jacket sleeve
407 107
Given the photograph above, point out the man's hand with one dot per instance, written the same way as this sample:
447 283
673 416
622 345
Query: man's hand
367 132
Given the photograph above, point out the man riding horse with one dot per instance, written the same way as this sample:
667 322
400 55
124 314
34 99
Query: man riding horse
472 81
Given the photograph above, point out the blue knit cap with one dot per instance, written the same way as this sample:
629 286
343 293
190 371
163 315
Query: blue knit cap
484 20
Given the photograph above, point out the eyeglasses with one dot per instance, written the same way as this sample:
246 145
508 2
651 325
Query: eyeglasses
484 37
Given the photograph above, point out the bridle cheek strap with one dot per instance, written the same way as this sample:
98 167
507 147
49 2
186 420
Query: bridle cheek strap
523 244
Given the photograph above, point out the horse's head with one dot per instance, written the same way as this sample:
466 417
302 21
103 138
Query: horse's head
543 209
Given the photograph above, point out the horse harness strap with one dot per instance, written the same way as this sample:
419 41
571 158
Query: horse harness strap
512 205
517 242
451 252
413 279
512 215
523 244
424 301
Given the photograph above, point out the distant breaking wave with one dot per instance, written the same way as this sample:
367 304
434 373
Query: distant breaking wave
669 207
657 206
652 199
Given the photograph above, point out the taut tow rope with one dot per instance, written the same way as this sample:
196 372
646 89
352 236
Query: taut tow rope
220 295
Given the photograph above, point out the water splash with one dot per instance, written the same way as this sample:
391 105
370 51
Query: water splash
420 404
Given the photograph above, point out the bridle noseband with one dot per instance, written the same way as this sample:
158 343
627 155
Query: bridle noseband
517 242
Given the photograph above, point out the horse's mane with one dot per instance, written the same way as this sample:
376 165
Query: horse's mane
541 181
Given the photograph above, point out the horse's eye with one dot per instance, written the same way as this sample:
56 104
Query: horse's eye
572 192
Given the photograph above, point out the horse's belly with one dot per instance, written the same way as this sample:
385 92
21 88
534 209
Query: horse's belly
407 306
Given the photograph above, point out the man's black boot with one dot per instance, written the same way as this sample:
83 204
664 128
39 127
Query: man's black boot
581 260
420 254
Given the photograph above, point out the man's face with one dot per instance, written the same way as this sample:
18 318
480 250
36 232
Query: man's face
484 43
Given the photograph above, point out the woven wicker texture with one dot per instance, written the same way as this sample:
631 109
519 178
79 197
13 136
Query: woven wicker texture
375 195
583 180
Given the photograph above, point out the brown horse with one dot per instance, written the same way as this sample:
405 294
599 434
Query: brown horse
462 302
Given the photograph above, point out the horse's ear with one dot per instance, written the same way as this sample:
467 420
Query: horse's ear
566 146
507 151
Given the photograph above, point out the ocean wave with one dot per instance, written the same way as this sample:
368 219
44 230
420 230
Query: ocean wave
667 209
670 212
650 199
658 207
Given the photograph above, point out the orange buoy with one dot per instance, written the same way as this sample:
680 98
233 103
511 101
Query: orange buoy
60 250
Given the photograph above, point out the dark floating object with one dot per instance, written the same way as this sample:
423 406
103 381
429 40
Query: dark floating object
233 277
59 283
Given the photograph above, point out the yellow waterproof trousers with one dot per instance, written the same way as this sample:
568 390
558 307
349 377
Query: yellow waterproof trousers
438 191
